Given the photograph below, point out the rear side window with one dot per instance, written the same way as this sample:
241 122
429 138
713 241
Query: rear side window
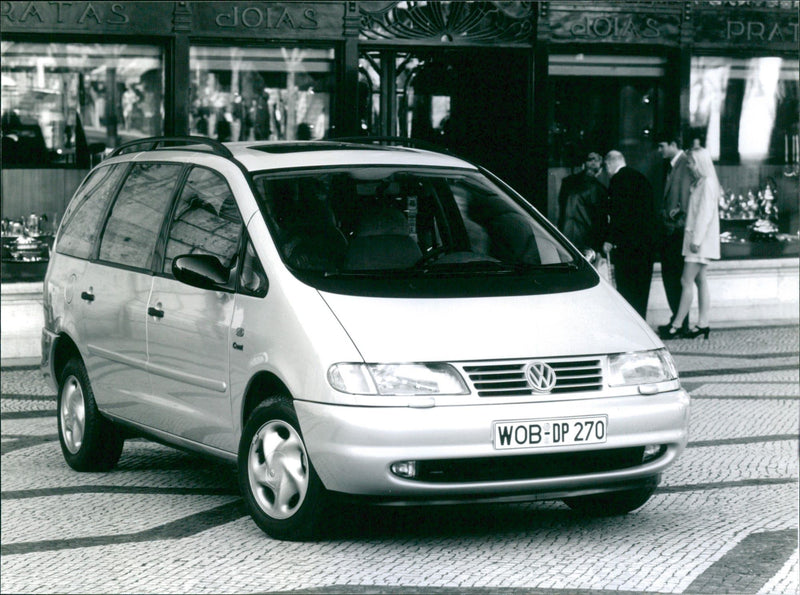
205 220
84 215
136 217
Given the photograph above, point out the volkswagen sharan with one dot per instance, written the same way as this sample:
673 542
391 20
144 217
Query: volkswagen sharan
349 319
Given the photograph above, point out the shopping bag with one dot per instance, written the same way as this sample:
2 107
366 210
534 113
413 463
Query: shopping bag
604 268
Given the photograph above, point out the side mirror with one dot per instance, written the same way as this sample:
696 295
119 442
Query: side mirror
201 270
590 255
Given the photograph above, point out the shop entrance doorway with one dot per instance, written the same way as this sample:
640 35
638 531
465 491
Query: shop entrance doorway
604 102
474 103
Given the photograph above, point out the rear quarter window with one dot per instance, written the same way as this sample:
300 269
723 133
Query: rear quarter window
84 215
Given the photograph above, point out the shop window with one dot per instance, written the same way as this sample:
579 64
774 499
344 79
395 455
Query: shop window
745 112
65 104
240 94
468 101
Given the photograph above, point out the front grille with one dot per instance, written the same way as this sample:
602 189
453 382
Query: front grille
508 379
536 466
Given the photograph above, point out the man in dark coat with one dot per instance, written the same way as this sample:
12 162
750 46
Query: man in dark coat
630 232
583 206
677 187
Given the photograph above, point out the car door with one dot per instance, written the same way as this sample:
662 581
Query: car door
115 289
188 328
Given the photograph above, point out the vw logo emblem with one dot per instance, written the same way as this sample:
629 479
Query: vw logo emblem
541 377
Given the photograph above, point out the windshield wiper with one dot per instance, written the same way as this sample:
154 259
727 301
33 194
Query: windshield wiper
486 267
371 274
493 267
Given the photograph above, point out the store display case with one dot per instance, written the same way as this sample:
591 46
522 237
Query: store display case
751 222
26 245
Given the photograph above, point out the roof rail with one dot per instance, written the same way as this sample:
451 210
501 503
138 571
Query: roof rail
403 141
155 142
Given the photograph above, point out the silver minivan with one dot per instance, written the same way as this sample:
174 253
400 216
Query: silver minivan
349 319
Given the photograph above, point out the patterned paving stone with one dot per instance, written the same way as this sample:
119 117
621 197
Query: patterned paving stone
711 418
142 464
787 580
720 389
165 521
735 463
27 381
86 515
663 548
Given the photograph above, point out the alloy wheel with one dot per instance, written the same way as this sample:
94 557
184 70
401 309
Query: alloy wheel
73 414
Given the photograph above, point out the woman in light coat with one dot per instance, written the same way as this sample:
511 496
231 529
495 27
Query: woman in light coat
700 244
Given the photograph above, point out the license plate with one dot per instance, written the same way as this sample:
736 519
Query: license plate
534 433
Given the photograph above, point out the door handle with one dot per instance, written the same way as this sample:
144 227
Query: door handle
158 313
238 346
87 295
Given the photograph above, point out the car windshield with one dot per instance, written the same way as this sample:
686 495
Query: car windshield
381 220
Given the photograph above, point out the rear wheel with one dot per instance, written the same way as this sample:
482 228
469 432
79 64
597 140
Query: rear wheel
611 504
282 491
89 441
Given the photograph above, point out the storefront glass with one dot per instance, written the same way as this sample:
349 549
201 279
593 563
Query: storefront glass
602 102
241 93
466 101
745 112
64 104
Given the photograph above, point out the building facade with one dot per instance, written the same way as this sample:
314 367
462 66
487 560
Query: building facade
524 88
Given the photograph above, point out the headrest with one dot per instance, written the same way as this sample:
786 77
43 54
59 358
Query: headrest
387 221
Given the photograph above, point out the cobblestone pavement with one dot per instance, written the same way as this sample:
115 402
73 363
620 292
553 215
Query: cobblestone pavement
725 519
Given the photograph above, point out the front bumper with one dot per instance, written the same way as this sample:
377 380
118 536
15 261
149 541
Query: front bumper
353 448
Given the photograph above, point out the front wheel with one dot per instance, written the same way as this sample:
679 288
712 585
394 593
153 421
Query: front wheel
611 504
89 441
281 490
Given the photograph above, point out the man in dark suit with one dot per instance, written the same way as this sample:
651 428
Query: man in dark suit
583 206
630 232
677 188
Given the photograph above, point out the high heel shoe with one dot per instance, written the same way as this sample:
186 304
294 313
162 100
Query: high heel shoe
663 330
671 333
699 330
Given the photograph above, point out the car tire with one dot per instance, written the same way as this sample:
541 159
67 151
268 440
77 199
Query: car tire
89 441
611 504
281 489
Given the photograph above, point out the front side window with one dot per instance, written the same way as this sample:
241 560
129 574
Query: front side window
205 220
252 278
64 104
136 217
281 93
391 224
83 217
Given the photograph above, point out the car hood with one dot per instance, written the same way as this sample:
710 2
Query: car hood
586 322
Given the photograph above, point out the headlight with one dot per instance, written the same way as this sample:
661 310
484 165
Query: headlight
641 367
396 379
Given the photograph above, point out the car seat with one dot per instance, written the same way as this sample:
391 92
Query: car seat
382 242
